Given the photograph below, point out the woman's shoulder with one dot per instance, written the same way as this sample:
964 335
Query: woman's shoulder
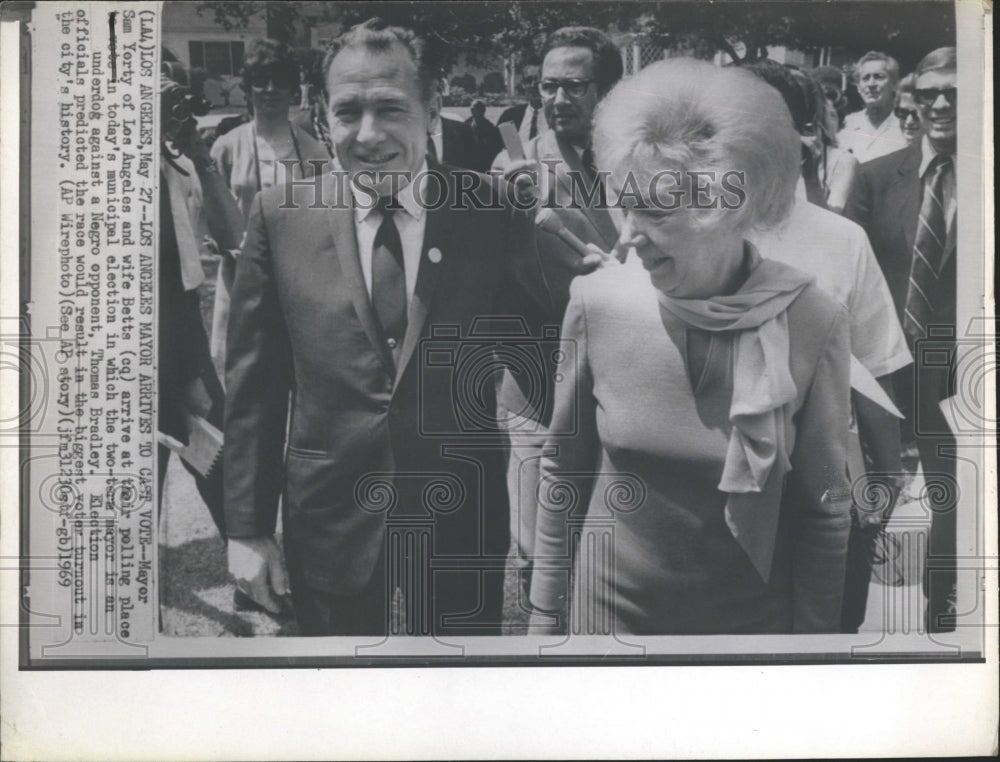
814 315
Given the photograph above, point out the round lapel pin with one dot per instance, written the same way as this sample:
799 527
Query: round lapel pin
434 255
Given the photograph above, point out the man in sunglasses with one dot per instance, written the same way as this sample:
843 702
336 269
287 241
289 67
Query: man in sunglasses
907 202
873 131
579 66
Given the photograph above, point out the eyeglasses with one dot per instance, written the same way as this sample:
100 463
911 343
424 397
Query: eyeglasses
927 96
574 88
902 114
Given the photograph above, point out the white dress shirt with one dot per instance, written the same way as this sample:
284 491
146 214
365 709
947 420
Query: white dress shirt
541 126
866 141
410 222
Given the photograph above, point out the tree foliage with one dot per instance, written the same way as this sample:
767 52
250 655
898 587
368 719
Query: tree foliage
484 31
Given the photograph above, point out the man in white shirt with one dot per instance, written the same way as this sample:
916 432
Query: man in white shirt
837 252
873 131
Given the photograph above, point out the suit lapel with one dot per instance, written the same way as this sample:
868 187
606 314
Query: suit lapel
905 191
570 162
438 238
345 243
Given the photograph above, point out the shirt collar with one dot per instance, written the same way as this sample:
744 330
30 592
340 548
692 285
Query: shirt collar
927 154
408 198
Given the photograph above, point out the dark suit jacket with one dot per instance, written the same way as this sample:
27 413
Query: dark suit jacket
488 142
303 332
886 202
458 144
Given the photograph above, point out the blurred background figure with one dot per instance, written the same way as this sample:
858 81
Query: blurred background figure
873 131
311 117
486 137
906 110
831 81
528 118
194 203
827 171
707 374
255 155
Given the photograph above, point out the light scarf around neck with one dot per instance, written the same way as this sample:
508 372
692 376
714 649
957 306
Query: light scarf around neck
757 458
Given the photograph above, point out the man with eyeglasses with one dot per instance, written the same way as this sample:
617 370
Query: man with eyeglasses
579 66
907 202
873 131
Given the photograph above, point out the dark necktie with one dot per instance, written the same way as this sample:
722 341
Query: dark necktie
388 278
928 250
533 129
432 153
590 170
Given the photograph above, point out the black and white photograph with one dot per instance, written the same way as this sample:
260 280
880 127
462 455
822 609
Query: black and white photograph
502 346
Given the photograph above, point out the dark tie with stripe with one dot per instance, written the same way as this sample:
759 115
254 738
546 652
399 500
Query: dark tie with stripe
590 170
928 250
388 278
533 128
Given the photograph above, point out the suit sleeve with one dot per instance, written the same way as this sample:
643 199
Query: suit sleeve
859 206
524 293
821 494
567 472
258 377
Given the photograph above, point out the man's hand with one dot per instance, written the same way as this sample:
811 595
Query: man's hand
524 175
596 259
255 563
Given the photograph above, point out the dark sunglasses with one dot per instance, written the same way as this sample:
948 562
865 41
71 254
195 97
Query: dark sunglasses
574 88
902 114
927 96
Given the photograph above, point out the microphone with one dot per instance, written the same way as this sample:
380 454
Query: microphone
549 221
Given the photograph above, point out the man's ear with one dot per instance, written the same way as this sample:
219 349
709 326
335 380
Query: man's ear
434 115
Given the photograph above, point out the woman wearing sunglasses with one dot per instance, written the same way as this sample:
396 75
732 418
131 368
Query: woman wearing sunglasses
905 110
256 154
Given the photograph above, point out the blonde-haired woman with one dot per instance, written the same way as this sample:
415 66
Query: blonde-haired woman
700 430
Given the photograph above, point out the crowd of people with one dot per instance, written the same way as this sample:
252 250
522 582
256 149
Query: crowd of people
728 366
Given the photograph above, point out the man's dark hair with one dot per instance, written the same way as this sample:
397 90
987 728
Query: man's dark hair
378 37
607 59
271 58
802 96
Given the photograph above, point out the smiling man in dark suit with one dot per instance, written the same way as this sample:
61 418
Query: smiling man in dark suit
907 202
338 312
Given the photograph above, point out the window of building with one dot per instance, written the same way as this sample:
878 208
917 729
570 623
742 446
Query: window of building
217 58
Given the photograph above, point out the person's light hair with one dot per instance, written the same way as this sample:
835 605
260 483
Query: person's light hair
684 115
906 85
891 64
